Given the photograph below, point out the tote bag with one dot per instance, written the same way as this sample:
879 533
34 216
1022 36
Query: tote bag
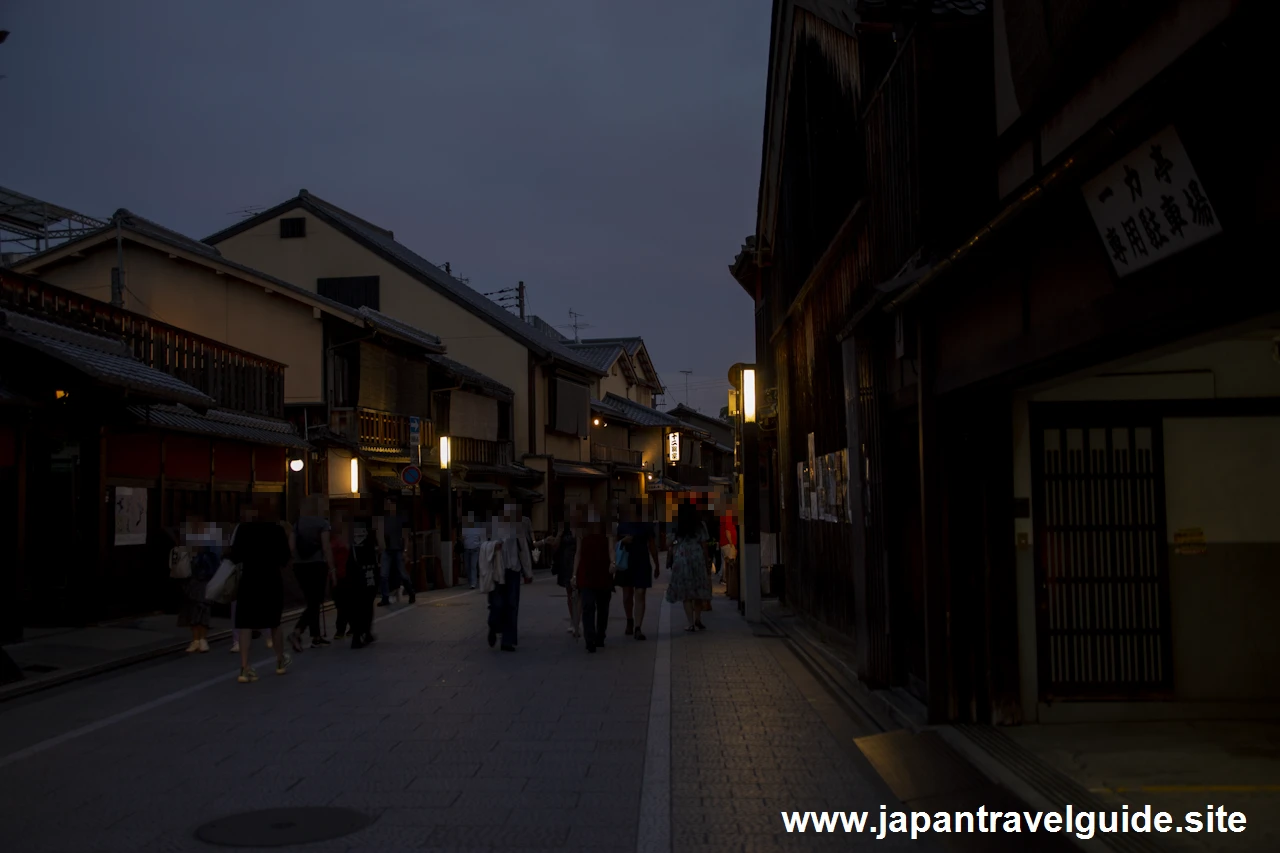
225 583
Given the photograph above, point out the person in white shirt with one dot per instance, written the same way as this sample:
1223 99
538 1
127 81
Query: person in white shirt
473 536
512 547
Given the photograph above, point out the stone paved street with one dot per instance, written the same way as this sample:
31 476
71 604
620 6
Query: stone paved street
451 746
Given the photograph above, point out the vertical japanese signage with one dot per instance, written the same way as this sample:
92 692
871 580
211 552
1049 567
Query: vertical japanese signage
1150 205
673 447
415 441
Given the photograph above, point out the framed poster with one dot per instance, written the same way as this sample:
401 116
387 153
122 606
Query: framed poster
131 516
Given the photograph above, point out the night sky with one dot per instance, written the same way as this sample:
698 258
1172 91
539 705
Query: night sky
606 153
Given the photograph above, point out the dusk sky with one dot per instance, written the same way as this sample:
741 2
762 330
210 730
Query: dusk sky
606 153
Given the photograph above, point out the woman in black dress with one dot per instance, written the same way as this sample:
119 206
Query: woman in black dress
261 548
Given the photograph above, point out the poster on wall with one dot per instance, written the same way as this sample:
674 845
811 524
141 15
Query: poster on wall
131 516
848 502
802 491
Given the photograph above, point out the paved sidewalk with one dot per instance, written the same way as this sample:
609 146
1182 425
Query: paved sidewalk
448 744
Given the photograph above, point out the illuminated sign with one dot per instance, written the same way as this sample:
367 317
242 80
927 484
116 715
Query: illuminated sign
673 447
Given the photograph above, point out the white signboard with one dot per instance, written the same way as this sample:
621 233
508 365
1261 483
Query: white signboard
673 447
131 516
1150 205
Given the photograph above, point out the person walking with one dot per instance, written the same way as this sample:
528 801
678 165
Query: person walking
261 548
313 565
639 538
594 569
389 530
564 551
728 545
362 580
340 548
690 583
511 568
473 536
204 553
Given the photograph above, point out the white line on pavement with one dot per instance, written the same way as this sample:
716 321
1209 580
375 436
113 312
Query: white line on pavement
655 793
49 743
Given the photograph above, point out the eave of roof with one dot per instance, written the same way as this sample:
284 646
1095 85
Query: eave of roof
410 334
471 376
632 412
223 423
382 242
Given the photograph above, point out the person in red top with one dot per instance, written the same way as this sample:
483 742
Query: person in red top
340 546
594 569
728 542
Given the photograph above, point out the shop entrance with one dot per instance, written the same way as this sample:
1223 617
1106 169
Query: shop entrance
1102 573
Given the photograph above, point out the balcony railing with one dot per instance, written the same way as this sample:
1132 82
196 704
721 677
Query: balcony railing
478 451
622 455
373 428
236 379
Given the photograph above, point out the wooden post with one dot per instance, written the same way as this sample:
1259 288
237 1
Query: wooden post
936 580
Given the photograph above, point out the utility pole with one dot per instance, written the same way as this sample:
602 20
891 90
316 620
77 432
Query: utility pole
520 294
686 385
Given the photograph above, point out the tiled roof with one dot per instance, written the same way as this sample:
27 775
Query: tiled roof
633 412
391 326
635 349
381 241
573 469
472 376
547 329
683 411
631 345
222 423
105 359
937 7
601 356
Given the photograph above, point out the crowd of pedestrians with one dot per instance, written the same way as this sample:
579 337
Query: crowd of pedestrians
360 558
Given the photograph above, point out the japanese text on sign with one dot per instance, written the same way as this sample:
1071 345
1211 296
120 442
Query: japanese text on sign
1150 204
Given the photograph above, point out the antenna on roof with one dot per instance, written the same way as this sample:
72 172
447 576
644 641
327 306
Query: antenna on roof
247 212
686 385
576 325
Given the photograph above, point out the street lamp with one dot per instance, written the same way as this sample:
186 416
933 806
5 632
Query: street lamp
750 562
446 521
296 465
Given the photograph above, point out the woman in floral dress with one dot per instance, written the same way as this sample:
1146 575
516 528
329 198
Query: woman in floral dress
689 581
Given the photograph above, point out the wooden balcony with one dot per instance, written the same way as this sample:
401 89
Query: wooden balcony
478 451
621 455
373 428
236 379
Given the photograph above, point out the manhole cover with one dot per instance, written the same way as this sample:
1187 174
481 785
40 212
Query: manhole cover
282 827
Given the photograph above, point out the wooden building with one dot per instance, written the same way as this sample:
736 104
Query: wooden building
1031 321
114 430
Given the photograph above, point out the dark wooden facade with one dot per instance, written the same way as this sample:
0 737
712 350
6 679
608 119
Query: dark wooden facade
905 337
